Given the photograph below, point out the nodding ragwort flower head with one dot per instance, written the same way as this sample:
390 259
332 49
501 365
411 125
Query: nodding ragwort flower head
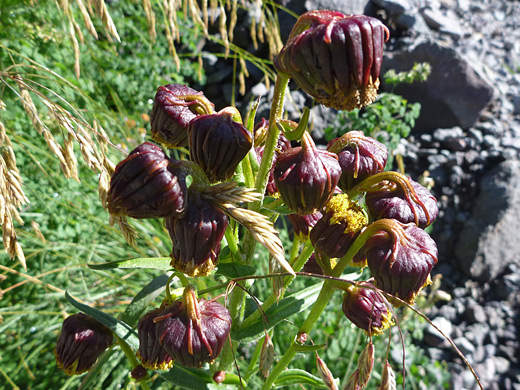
359 157
82 340
174 107
193 331
218 143
196 236
400 258
335 58
145 185
366 308
340 225
306 177
404 200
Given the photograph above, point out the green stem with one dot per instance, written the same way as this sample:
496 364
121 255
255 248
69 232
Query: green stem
272 135
237 296
132 359
322 301
271 141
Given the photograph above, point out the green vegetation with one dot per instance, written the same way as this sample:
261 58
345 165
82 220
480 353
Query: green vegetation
390 118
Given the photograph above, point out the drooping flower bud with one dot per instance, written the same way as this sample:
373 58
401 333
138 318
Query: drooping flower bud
196 236
193 331
400 258
151 353
145 185
366 364
282 145
325 374
406 203
302 224
174 107
82 340
353 382
266 356
306 177
340 225
335 58
366 308
388 381
218 143
359 157
138 373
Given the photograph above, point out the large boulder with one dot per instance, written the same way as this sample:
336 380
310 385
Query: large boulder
454 94
488 241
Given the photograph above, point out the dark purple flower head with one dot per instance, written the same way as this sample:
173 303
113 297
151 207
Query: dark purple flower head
196 236
306 177
335 58
366 308
359 157
400 258
218 143
340 225
144 185
404 200
174 107
193 331
82 340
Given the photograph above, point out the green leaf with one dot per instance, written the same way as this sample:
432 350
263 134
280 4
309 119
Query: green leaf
119 328
235 270
137 307
279 209
189 378
288 306
295 376
162 263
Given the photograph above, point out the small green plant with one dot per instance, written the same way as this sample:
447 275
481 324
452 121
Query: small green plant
390 118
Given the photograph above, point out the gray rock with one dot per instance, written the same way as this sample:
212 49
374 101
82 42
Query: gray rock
475 313
447 24
465 346
393 6
347 7
488 242
501 364
453 95
433 338
444 135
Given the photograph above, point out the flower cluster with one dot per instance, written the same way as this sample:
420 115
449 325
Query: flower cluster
150 184
189 331
340 200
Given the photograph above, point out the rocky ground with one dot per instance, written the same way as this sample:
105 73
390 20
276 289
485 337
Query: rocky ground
468 141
